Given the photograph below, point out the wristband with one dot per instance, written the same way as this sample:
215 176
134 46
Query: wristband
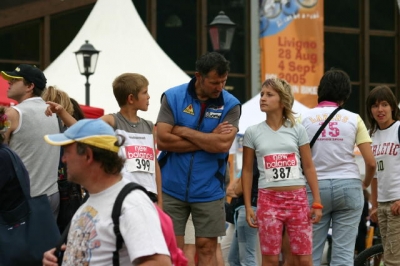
317 206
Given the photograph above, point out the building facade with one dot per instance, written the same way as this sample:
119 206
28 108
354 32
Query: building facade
361 37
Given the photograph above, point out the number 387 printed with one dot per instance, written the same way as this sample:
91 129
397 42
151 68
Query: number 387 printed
281 173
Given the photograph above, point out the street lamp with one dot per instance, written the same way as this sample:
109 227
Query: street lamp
86 57
221 31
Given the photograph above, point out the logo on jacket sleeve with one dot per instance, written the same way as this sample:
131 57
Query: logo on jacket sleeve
189 109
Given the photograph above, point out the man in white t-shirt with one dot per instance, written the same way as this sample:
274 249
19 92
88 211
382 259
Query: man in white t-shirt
91 153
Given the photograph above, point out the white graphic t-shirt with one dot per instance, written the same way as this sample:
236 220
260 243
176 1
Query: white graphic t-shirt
91 239
333 152
386 149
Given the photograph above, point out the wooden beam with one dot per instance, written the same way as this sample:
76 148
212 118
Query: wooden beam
38 9
18 61
365 59
151 21
45 42
397 55
201 27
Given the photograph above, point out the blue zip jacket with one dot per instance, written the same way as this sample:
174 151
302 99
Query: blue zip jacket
195 176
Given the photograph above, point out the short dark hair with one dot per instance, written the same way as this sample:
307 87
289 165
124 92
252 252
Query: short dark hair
378 94
212 61
334 86
110 161
36 91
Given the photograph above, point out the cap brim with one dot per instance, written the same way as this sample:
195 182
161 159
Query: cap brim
58 139
10 75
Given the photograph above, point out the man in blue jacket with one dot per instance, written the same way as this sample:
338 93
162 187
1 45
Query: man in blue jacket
196 126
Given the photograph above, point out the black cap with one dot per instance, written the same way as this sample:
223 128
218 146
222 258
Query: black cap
29 73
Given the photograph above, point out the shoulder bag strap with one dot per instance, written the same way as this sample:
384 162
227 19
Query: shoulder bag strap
116 213
324 125
18 170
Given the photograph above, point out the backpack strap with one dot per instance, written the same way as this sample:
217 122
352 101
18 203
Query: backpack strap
116 213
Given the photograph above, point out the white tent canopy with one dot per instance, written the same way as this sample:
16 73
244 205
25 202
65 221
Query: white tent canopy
116 29
251 113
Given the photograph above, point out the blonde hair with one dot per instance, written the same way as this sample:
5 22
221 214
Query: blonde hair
126 84
53 94
284 90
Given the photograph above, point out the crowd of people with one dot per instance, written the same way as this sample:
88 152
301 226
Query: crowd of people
299 176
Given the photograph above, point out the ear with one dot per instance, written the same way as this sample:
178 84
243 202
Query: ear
130 99
30 87
89 155
197 75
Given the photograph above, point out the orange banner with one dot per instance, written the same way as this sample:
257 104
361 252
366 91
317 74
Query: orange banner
292 45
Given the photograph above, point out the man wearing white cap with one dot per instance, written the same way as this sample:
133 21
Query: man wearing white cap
91 153
28 126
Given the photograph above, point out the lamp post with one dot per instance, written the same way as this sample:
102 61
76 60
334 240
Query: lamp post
86 57
221 31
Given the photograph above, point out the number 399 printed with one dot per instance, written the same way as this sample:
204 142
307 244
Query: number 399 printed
143 164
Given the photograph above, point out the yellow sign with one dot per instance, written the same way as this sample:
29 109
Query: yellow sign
189 109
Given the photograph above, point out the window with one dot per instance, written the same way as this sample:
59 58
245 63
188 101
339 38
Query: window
342 13
20 43
176 31
64 27
382 57
342 51
361 37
